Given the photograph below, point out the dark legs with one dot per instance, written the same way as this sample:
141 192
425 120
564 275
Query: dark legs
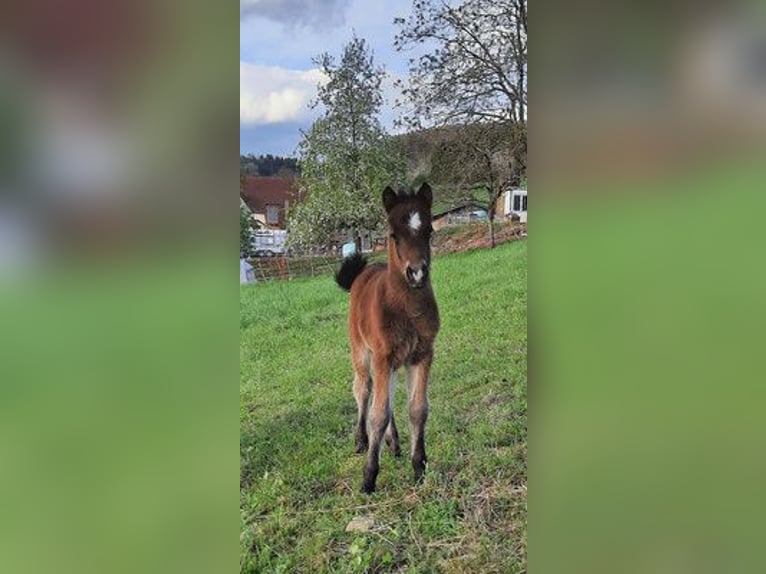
376 420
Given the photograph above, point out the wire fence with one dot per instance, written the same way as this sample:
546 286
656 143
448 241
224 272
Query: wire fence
286 268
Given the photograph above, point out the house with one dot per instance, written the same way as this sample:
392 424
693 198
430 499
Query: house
463 213
269 198
513 202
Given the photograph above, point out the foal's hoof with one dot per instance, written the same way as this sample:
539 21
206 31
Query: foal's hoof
419 472
367 488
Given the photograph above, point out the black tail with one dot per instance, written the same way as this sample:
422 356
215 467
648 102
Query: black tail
352 266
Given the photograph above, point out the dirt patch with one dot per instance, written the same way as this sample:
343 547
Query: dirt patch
476 236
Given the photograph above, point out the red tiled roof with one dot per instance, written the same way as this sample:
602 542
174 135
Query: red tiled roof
258 192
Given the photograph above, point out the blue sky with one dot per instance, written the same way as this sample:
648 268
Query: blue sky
279 38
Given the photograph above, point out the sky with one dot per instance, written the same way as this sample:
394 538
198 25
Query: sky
277 78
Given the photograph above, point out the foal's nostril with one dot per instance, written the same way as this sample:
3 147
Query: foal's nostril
416 276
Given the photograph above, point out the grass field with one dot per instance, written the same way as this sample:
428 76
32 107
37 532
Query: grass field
299 477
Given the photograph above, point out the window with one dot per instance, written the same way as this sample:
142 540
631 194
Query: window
272 214
516 203
524 204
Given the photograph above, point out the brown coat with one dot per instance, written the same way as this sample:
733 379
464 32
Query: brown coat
393 322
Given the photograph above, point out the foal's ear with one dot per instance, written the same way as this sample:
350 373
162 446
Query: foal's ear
425 194
389 198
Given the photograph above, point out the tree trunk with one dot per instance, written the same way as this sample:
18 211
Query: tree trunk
358 241
491 210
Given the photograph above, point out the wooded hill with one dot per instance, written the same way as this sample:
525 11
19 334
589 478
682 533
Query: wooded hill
267 165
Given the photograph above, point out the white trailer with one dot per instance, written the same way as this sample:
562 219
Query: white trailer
269 242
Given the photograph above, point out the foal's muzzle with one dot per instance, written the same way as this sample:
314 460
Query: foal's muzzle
416 275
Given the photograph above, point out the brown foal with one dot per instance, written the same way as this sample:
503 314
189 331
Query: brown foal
393 321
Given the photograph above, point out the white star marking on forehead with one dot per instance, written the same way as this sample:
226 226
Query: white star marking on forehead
414 221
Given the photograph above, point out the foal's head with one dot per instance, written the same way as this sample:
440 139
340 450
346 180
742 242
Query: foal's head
409 227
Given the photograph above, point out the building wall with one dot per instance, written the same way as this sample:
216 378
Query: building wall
507 204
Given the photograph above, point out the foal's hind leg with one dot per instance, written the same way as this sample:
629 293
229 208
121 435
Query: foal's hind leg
392 436
362 382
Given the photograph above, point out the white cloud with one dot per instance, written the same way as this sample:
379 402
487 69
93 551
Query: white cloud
270 94
317 14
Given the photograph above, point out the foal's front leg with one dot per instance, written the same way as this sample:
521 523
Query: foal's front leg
379 416
417 382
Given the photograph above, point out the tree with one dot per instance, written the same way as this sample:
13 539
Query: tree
475 162
475 77
245 232
345 158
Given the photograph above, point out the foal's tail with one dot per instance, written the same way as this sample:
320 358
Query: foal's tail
352 266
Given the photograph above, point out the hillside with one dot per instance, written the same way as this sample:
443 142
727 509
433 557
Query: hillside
447 158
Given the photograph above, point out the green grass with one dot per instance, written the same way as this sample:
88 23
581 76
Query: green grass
299 478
